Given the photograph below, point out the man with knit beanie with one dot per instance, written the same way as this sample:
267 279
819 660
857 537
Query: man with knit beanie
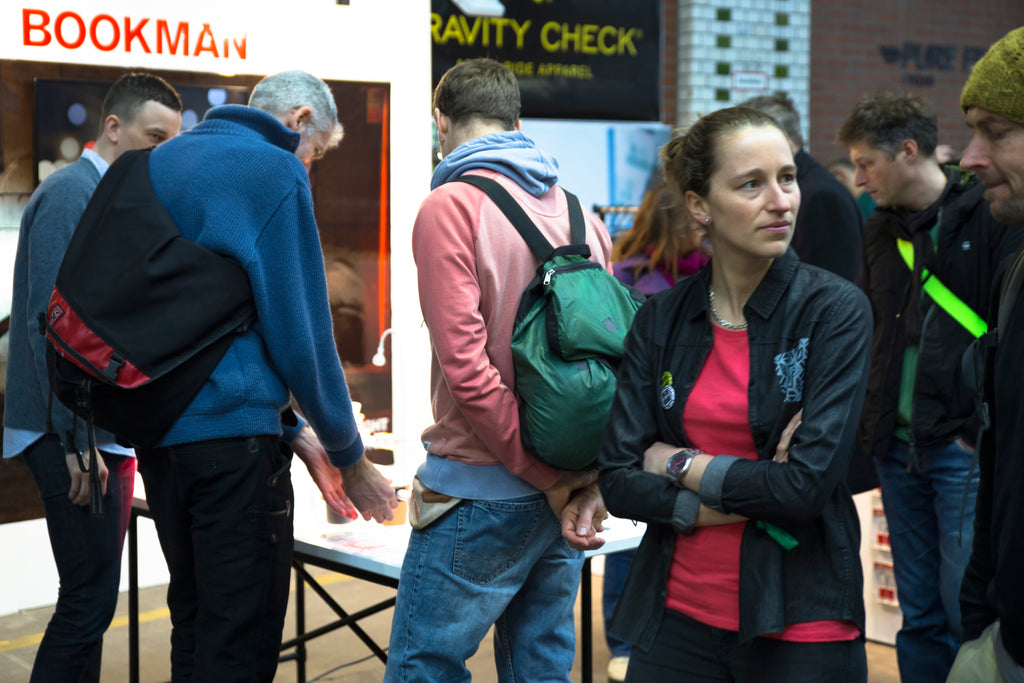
992 595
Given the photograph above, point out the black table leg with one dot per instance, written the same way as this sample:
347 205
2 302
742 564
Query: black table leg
587 625
300 624
133 598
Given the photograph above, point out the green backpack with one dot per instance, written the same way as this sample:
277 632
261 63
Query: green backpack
567 340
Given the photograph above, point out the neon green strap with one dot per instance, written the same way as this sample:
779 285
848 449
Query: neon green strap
778 535
941 295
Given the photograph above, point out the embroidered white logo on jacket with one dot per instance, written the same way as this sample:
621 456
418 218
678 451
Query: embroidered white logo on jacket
789 366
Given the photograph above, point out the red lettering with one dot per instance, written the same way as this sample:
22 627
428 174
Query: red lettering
163 32
131 34
104 32
210 47
58 30
27 27
95 38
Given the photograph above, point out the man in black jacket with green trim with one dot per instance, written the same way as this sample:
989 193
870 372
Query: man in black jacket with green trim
917 421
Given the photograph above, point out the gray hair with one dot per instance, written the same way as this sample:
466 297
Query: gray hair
281 92
780 107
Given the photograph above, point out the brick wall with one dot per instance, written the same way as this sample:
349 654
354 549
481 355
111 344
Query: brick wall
920 46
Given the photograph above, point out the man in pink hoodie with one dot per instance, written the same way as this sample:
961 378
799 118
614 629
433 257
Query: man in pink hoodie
489 547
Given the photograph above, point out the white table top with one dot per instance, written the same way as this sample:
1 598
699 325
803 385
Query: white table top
380 549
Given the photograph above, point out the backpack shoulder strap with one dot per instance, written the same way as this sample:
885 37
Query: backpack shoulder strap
1012 283
577 228
538 244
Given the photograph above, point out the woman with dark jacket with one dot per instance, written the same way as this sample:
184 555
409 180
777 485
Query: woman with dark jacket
749 570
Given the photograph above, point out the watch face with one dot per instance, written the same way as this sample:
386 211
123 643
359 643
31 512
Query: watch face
679 463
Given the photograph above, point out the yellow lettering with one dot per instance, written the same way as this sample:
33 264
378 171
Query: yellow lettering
549 44
500 33
435 26
520 68
578 71
626 40
570 38
588 39
520 30
469 35
603 44
451 31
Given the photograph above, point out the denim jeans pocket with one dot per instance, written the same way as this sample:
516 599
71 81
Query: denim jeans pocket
492 535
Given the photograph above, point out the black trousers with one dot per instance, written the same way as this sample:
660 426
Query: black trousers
687 650
223 513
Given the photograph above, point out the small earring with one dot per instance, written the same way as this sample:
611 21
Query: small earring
707 219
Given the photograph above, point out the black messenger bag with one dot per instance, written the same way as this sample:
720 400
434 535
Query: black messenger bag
140 316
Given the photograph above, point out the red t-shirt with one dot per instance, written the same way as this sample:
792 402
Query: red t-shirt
703 581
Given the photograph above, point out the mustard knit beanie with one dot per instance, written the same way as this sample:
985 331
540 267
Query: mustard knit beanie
996 82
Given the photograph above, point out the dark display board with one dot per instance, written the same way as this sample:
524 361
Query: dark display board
575 59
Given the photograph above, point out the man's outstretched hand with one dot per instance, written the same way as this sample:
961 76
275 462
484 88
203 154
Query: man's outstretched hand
370 491
326 476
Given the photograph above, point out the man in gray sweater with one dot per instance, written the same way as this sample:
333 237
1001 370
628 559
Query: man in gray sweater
139 111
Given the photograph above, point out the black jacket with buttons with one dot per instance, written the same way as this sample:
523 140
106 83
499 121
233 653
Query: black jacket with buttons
809 334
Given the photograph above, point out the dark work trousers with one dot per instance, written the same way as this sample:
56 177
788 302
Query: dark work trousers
87 552
223 513
687 650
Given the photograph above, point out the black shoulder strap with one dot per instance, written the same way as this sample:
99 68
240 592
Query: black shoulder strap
577 228
538 244
1012 283
134 163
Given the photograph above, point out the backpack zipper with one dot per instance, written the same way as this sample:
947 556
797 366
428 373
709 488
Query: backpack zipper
579 265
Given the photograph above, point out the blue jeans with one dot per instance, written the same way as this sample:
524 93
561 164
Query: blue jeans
87 552
223 513
688 650
500 562
931 543
616 569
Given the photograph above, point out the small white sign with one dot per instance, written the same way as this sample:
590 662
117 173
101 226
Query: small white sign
749 80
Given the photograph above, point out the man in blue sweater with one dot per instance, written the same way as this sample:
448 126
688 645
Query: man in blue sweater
139 110
218 484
